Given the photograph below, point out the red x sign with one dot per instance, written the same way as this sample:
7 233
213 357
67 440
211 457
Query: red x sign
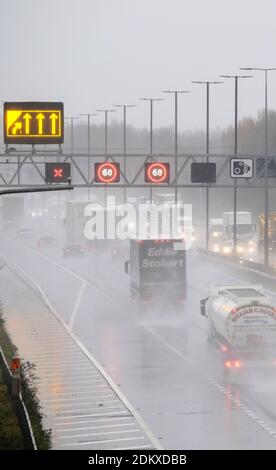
58 172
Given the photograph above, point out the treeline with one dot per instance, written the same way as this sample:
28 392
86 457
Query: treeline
251 135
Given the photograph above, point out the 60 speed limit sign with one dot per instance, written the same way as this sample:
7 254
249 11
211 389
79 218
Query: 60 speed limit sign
107 172
157 172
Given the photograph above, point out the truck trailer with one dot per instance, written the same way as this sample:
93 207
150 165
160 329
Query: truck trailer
157 271
241 325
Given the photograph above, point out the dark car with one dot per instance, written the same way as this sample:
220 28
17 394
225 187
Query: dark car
73 250
46 241
25 233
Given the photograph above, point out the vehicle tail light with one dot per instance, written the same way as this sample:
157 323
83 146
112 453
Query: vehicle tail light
146 300
224 348
232 364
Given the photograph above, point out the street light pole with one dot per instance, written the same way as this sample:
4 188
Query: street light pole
105 111
207 83
176 93
88 115
71 119
236 78
151 100
266 239
124 106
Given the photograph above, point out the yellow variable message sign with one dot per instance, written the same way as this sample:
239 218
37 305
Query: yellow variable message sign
33 123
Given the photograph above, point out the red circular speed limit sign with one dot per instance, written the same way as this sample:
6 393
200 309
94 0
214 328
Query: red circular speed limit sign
107 172
157 172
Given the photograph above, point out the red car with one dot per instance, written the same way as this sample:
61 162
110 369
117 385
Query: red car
73 250
46 241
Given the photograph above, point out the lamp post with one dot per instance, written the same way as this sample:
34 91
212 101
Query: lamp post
266 247
124 107
71 120
105 111
236 78
88 115
176 93
207 83
151 101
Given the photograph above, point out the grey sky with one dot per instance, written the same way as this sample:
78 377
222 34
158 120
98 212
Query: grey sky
95 53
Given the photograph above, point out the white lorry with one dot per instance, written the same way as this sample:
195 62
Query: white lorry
245 233
216 233
241 325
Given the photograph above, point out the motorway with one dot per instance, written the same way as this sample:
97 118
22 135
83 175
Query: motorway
159 360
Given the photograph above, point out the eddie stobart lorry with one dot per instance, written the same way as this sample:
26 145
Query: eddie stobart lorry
157 271
241 326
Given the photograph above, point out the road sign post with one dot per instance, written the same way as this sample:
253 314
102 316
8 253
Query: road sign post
16 371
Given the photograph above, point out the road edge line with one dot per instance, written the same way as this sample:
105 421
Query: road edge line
36 287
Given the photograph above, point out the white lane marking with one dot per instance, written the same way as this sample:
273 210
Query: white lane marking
218 386
92 415
53 354
105 420
62 366
105 433
104 441
70 385
56 377
133 448
90 397
241 267
76 306
61 347
97 402
87 389
99 427
55 263
92 359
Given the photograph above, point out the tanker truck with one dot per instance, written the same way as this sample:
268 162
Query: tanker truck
241 325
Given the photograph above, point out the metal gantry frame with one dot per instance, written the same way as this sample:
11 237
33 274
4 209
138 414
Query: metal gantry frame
22 159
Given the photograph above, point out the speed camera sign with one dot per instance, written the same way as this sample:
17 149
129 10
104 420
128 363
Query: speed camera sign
242 168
